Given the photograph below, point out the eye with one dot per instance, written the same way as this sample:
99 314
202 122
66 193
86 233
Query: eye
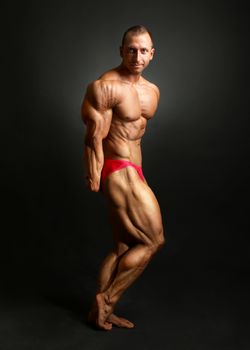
144 51
131 50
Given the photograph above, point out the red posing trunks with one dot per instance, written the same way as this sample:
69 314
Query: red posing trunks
111 165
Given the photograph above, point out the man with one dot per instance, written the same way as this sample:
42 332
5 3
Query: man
116 109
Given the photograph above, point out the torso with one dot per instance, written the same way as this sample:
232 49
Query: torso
137 104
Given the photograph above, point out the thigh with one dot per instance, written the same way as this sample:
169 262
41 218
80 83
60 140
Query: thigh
133 208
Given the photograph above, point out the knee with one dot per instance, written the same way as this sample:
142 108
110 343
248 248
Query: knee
159 242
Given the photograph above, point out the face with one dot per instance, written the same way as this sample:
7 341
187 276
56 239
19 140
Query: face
137 52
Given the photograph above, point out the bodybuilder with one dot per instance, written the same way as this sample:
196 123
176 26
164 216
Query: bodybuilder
115 110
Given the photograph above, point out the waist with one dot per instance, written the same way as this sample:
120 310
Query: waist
127 151
112 165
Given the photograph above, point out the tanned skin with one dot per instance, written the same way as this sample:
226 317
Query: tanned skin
115 110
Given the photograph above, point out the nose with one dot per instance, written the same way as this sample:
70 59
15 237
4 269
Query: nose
137 55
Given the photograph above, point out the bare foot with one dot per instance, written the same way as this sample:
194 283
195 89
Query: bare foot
99 313
120 321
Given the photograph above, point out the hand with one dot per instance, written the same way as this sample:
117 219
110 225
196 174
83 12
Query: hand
94 186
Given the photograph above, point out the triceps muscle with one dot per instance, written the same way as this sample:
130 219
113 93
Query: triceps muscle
97 125
97 116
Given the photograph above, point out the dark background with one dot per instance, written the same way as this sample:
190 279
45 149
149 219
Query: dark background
194 295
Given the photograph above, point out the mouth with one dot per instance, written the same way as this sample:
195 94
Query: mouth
136 65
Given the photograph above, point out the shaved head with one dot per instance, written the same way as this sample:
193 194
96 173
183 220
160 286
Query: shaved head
136 30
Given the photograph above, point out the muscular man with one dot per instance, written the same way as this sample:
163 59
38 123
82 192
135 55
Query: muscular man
115 109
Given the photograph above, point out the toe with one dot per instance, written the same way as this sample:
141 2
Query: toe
107 326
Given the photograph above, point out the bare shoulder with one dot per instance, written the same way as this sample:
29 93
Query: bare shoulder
103 93
110 75
151 88
156 89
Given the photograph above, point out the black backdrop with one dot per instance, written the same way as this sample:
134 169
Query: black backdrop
195 151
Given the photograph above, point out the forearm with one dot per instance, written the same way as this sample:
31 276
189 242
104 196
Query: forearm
94 159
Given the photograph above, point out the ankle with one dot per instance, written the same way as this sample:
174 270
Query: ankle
110 300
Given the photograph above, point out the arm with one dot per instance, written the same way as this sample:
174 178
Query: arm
97 115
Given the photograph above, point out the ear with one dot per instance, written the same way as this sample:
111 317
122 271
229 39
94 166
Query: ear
152 53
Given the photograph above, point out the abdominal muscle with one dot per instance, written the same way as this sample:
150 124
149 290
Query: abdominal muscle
124 140
120 149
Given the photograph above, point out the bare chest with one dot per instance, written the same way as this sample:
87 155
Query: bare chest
136 103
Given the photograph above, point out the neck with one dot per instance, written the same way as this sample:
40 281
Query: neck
127 75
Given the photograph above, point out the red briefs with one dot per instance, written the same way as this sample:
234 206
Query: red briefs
111 165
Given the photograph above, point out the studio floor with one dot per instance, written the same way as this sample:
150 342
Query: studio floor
202 309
